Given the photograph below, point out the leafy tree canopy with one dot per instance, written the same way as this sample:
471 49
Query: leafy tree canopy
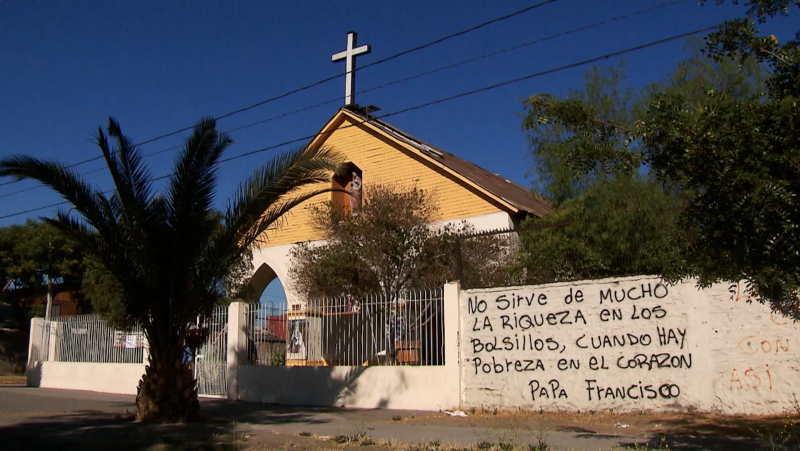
730 145
391 244
31 252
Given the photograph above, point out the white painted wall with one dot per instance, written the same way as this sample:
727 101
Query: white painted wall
481 223
278 258
392 387
704 349
118 378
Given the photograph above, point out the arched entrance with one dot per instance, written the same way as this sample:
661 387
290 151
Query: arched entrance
262 278
266 318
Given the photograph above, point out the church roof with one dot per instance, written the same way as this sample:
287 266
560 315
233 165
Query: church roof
506 191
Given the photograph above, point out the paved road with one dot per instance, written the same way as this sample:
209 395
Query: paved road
44 416
35 418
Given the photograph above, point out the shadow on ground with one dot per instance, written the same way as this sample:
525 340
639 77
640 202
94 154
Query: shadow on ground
94 430
710 432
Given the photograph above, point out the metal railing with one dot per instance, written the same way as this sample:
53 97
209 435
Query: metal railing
88 338
266 334
404 329
210 367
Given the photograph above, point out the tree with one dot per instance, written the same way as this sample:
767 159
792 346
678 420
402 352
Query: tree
29 254
391 245
379 249
104 293
171 253
733 154
618 227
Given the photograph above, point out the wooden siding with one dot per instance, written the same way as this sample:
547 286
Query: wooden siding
384 160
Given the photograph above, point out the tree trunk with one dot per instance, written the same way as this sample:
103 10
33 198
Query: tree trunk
167 392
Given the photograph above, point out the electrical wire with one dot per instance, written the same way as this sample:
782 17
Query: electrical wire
325 80
434 102
401 80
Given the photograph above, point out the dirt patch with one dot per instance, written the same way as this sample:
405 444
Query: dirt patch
13 380
641 423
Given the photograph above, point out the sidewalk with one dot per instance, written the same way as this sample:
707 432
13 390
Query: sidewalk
33 418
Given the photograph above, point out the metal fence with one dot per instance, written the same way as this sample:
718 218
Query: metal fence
87 338
210 367
404 329
266 334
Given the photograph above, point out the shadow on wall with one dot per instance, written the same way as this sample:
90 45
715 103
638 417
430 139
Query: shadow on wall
326 386
33 374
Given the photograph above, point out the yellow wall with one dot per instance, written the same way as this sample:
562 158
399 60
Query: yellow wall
385 161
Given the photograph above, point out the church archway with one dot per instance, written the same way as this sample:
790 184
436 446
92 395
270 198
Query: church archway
265 287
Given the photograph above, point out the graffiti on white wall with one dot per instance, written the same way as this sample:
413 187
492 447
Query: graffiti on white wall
629 343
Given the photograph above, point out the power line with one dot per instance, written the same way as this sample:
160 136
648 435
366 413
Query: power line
550 71
401 80
525 44
434 102
325 80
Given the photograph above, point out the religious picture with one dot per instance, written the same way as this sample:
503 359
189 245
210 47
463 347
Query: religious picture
395 328
297 343
355 193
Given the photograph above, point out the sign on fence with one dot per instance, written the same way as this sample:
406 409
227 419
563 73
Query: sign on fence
129 340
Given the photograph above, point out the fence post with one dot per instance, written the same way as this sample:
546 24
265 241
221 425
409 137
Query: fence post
35 353
145 349
53 354
452 345
237 346
35 340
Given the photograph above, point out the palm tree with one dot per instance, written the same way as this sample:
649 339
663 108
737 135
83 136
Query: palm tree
171 252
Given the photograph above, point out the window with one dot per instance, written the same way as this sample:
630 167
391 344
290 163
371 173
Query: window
352 181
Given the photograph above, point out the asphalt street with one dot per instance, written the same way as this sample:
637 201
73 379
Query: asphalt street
35 418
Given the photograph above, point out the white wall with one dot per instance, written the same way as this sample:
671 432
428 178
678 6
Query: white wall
482 223
704 350
393 387
119 378
278 258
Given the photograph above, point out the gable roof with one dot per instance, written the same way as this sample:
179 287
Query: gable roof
516 198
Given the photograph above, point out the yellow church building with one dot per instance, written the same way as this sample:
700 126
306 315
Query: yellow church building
377 152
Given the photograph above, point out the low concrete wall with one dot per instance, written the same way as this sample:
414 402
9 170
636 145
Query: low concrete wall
627 344
393 387
118 378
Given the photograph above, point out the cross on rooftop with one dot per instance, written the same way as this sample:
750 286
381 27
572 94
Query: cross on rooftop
349 56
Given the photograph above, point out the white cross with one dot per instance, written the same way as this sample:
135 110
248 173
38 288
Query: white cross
349 56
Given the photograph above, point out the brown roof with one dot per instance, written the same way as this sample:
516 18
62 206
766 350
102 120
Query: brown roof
499 186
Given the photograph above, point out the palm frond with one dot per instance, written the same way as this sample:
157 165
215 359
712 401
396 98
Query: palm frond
264 199
192 186
73 188
290 172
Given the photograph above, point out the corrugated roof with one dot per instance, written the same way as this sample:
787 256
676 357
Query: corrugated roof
508 191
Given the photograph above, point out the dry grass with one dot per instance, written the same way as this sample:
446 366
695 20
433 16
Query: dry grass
13 380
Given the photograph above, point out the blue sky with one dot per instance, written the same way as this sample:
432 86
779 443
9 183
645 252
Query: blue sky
159 66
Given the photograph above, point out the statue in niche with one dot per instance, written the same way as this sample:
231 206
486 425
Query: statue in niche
355 193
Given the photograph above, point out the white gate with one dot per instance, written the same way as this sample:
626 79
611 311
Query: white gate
211 364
